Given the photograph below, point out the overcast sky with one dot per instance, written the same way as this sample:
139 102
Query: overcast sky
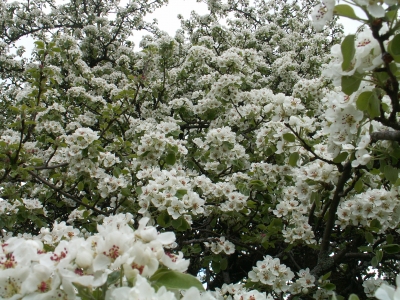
167 16
168 21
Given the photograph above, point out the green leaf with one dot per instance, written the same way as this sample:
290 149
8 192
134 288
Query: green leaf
348 50
257 185
81 186
391 173
389 239
374 261
196 249
216 266
340 158
350 84
176 223
116 172
329 286
175 280
125 192
391 248
394 47
164 219
224 263
228 145
113 277
391 14
339 297
379 255
289 137
374 108
316 198
369 237
39 44
326 276
353 297
180 193
293 158
345 10
84 292
138 190
363 100
375 225
359 186
171 158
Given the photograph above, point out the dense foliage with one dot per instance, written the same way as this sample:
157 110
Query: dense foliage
260 155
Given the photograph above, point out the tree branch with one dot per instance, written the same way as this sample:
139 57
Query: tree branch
325 262
51 167
385 136
65 194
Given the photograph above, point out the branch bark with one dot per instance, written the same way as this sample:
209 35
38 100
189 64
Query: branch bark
326 262
385 136
65 194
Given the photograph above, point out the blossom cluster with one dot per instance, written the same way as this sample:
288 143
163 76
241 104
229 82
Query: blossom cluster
371 285
373 204
221 245
271 272
29 270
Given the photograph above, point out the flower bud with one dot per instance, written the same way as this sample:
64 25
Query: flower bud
84 258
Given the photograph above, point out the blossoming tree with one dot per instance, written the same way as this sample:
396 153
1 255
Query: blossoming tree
260 156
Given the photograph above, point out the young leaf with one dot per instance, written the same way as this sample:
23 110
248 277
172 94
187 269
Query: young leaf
350 84
180 193
326 276
375 225
293 158
374 261
389 239
81 186
359 186
329 286
363 100
84 292
171 158
345 10
353 297
39 44
374 108
391 249
113 277
394 45
348 50
175 280
340 158
379 255
391 173
224 263
289 137
369 237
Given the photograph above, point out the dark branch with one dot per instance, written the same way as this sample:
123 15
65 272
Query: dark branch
385 136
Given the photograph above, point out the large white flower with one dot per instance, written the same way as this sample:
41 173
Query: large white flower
149 233
141 291
142 261
322 13
387 292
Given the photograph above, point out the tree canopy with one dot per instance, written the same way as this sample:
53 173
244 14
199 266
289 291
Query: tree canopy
251 150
